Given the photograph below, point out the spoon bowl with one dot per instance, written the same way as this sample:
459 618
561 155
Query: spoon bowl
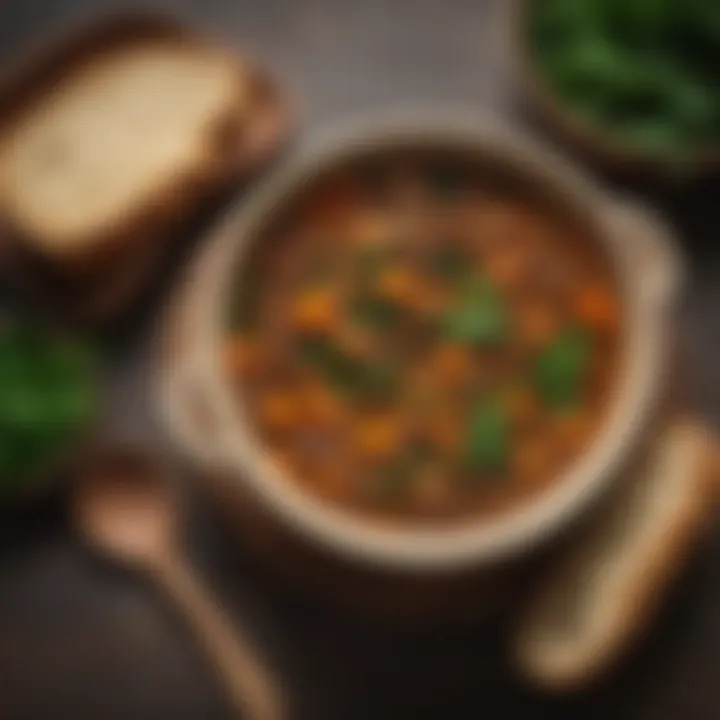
127 507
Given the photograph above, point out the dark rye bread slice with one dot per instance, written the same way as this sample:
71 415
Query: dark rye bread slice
604 590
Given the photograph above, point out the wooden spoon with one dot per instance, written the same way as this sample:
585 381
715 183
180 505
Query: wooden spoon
126 507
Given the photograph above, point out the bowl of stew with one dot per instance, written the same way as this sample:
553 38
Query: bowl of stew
426 342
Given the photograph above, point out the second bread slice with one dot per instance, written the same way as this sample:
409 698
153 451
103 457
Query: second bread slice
603 591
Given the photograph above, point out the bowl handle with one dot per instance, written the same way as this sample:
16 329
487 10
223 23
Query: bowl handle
189 417
654 251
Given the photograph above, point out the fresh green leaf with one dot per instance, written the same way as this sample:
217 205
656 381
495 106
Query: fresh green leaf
339 368
364 381
391 482
481 318
376 312
562 368
450 262
488 438
48 397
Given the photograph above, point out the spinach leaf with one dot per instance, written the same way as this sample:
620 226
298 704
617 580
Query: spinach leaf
348 374
488 438
391 482
481 318
48 397
339 368
562 368
376 312
449 262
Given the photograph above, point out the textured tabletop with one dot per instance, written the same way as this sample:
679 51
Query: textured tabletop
78 640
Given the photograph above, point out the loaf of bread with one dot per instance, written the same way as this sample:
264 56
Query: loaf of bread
603 592
117 142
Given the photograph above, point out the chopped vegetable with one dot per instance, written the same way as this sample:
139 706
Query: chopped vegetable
453 362
316 311
401 286
376 312
48 398
347 374
450 262
280 410
378 437
488 438
538 324
645 70
597 308
562 368
481 318
426 357
338 368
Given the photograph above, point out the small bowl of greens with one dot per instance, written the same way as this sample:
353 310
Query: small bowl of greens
48 405
631 84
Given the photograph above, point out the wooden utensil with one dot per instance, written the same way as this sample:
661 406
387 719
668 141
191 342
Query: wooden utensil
126 507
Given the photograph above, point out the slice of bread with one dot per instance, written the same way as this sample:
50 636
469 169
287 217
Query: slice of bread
117 142
604 590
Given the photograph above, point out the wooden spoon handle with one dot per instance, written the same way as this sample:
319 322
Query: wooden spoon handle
254 694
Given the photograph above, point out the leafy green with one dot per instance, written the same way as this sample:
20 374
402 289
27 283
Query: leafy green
488 438
390 482
562 368
482 316
449 262
47 397
376 312
347 374
645 70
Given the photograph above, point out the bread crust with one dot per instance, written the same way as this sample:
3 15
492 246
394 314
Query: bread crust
236 145
643 602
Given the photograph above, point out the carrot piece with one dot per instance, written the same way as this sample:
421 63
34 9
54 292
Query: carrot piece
321 407
596 306
452 362
507 266
573 429
533 459
316 311
370 229
378 437
538 325
280 410
402 286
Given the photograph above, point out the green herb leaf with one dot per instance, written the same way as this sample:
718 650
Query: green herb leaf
449 262
488 438
347 374
48 397
376 312
482 317
562 368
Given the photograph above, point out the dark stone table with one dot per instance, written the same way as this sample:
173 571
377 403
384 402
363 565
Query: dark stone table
81 641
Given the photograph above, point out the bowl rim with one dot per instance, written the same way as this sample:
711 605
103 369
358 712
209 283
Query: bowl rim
470 541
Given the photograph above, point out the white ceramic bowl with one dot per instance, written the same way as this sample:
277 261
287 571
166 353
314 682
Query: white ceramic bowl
647 268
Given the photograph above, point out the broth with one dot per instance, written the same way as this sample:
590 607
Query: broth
418 339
